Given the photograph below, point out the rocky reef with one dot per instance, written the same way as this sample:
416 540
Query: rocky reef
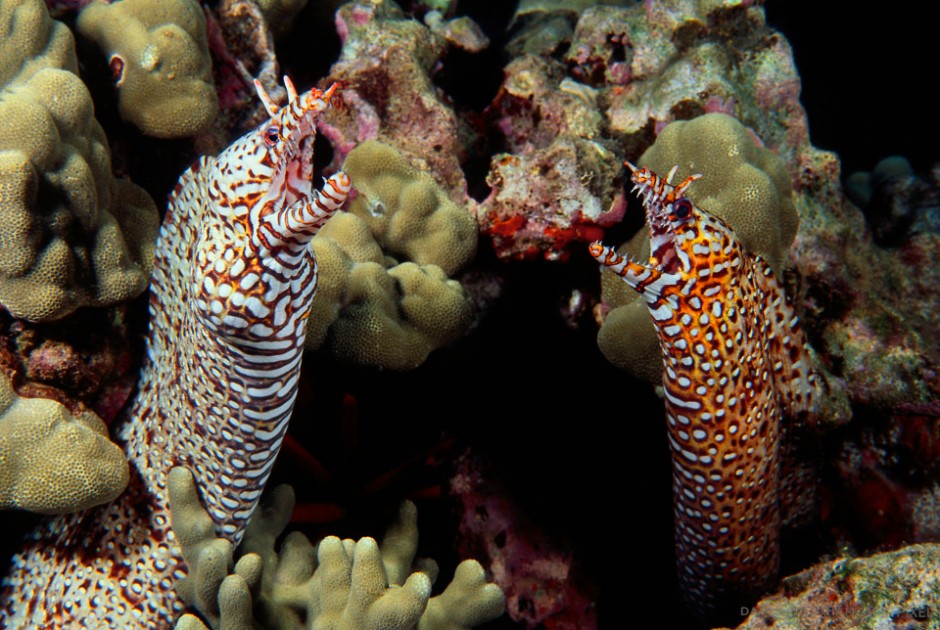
462 349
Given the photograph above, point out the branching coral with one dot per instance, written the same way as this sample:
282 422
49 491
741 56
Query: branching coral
159 58
71 234
339 584
743 183
53 461
370 308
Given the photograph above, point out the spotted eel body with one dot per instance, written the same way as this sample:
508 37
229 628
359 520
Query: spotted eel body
735 364
231 290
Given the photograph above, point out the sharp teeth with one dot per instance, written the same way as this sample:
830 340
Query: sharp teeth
671 174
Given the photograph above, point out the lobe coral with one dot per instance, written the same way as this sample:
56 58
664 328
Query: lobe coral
735 363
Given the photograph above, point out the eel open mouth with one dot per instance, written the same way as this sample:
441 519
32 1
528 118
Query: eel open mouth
658 194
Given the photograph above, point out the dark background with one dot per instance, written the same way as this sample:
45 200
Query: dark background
868 78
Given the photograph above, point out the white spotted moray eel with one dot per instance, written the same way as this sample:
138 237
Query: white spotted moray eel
735 365
231 289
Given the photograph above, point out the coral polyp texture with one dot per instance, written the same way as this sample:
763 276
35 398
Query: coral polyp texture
54 460
386 299
735 363
71 233
336 584
231 290
744 184
158 55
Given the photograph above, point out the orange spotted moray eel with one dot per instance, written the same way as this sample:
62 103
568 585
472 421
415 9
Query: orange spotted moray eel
230 295
734 365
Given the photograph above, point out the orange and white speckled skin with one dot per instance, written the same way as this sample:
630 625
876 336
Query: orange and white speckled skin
734 366
231 290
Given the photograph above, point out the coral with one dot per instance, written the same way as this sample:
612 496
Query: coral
874 309
543 582
386 299
677 60
649 64
72 235
407 213
371 309
54 460
550 6
897 589
242 48
895 200
461 32
556 183
338 584
615 81
86 359
159 58
742 183
386 63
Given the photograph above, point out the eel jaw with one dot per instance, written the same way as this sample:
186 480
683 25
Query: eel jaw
296 122
652 192
657 195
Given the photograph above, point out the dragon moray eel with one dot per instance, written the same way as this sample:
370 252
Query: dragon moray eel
230 295
735 362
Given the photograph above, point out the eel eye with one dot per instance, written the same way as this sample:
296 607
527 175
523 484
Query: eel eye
272 135
682 208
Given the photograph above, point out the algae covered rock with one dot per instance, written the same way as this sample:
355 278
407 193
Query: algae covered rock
71 234
742 182
159 57
896 589
370 308
555 186
53 461
336 584
387 63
